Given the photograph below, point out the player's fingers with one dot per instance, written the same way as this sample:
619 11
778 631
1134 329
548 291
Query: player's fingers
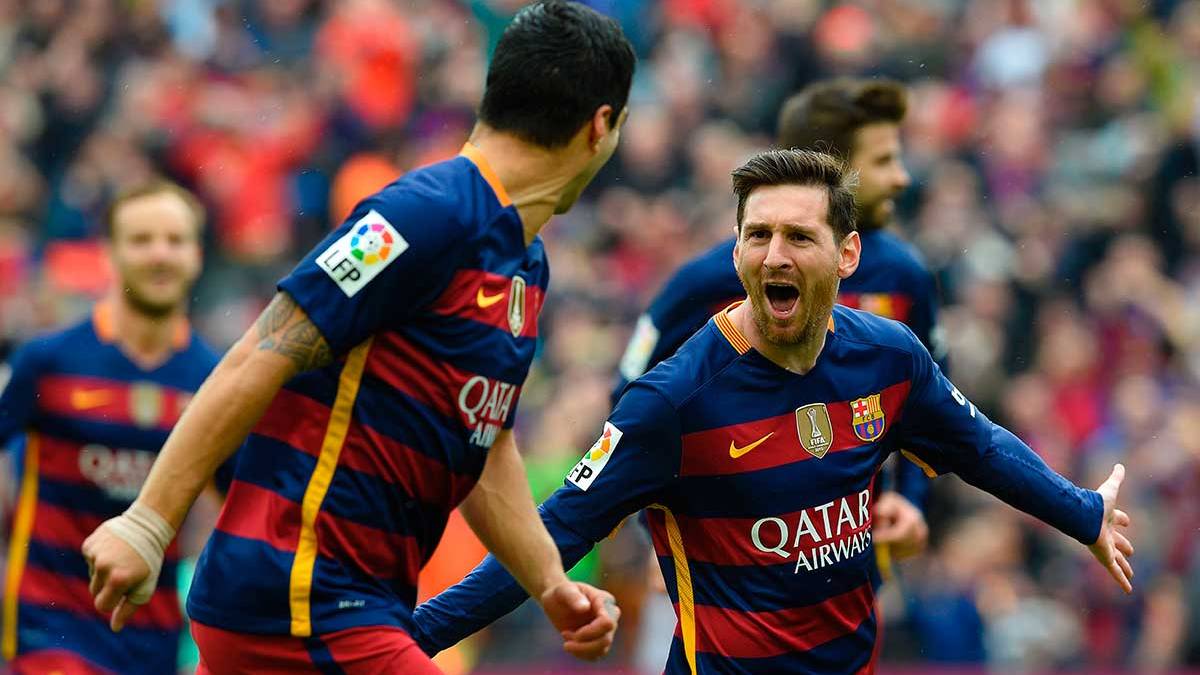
599 626
1122 543
98 578
1117 573
1112 485
1125 566
588 651
125 609
110 594
1120 518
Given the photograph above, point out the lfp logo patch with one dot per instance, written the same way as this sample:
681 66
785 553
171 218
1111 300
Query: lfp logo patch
372 242
595 458
358 256
868 418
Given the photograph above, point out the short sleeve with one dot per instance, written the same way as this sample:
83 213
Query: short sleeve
386 261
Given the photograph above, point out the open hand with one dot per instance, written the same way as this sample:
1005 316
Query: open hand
1112 548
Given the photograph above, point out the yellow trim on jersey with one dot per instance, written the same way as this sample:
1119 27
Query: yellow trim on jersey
731 333
472 153
929 470
683 587
18 546
300 586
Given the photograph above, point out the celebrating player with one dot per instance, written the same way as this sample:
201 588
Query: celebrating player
756 445
96 402
379 389
857 120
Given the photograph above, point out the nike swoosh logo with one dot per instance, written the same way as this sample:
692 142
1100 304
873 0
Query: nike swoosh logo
486 301
84 399
735 451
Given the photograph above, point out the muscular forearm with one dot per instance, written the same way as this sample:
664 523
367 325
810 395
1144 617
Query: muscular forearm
501 512
215 423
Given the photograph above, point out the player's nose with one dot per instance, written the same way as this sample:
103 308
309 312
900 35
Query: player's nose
777 257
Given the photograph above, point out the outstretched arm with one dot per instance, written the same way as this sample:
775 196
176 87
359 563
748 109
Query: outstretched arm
125 553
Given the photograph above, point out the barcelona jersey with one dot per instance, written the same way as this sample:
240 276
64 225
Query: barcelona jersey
93 423
428 296
758 483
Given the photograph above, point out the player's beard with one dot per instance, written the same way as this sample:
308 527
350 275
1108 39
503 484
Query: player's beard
876 215
811 316
145 303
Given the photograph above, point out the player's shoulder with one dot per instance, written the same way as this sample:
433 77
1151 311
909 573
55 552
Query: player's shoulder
888 248
692 366
452 193
709 273
199 350
872 330
43 348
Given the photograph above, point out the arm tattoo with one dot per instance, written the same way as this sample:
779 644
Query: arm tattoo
284 329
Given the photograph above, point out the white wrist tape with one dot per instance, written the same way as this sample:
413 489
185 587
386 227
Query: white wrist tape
149 534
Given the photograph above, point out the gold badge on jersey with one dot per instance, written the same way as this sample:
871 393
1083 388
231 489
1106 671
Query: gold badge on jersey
145 404
814 429
516 306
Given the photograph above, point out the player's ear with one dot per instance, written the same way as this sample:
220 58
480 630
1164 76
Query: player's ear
848 254
602 124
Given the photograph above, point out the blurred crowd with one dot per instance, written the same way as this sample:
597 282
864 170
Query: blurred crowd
1054 145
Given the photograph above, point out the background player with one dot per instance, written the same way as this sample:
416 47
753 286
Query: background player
756 445
859 121
96 402
381 384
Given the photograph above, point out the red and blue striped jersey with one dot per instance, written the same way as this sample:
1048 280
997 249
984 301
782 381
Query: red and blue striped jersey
93 422
758 484
429 296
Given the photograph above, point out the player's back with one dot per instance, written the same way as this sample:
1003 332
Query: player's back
764 538
94 422
430 296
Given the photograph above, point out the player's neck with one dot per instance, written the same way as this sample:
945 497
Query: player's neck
798 358
146 340
534 177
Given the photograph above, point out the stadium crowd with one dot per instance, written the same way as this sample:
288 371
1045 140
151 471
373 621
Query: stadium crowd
1054 148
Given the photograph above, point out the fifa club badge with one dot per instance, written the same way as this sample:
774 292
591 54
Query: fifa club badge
814 429
516 306
145 404
868 418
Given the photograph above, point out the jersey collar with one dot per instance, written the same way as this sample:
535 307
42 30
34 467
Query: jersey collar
476 157
735 337
106 327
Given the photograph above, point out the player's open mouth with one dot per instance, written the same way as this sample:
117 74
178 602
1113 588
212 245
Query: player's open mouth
782 298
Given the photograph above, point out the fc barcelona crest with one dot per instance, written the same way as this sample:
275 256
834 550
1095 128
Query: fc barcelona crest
814 429
868 418
516 306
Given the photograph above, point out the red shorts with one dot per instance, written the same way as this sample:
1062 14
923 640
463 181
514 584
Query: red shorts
354 651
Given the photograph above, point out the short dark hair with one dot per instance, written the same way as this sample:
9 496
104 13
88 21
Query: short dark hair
801 167
555 64
825 116
147 189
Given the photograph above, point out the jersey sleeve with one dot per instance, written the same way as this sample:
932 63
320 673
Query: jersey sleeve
18 392
636 457
384 262
949 434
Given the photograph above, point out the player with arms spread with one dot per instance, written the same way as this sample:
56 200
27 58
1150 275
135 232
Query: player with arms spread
96 402
756 445
857 120
378 390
